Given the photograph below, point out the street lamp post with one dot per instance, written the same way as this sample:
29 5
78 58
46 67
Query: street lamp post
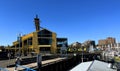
82 52
19 40
9 55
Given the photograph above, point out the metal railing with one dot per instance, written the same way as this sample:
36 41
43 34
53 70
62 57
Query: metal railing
3 69
26 68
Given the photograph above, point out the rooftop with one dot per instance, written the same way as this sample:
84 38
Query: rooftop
92 66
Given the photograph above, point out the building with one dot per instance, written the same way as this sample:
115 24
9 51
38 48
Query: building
75 47
89 43
108 41
40 41
111 40
95 65
2 48
62 44
102 42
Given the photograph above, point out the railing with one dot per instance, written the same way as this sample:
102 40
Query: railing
26 68
3 69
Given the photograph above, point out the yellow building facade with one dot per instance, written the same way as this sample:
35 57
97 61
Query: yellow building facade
43 41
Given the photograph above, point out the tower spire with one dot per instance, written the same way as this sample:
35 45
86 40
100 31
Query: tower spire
37 23
36 16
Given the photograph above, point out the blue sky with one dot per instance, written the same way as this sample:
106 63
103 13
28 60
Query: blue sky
78 20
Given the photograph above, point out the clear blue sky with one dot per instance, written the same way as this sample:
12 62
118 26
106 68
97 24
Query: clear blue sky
78 20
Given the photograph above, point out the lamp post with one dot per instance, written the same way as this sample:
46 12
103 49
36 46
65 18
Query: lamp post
19 40
82 52
9 55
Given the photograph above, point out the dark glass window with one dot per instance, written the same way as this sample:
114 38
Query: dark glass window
19 45
45 49
25 42
44 33
61 42
44 41
30 41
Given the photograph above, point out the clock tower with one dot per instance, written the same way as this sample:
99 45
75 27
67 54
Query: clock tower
37 23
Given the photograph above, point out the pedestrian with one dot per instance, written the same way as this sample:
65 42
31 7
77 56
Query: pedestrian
9 55
32 54
17 62
112 63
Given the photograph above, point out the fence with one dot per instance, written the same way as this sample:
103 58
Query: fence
26 68
3 69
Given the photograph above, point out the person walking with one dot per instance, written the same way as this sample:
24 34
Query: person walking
17 62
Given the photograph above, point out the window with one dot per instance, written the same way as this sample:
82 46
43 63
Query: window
44 33
44 41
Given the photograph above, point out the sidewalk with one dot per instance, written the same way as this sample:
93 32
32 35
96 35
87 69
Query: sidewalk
34 65
9 62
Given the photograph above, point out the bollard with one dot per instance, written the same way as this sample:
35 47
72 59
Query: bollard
39 62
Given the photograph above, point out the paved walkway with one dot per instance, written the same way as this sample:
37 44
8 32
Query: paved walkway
34 65
5 63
